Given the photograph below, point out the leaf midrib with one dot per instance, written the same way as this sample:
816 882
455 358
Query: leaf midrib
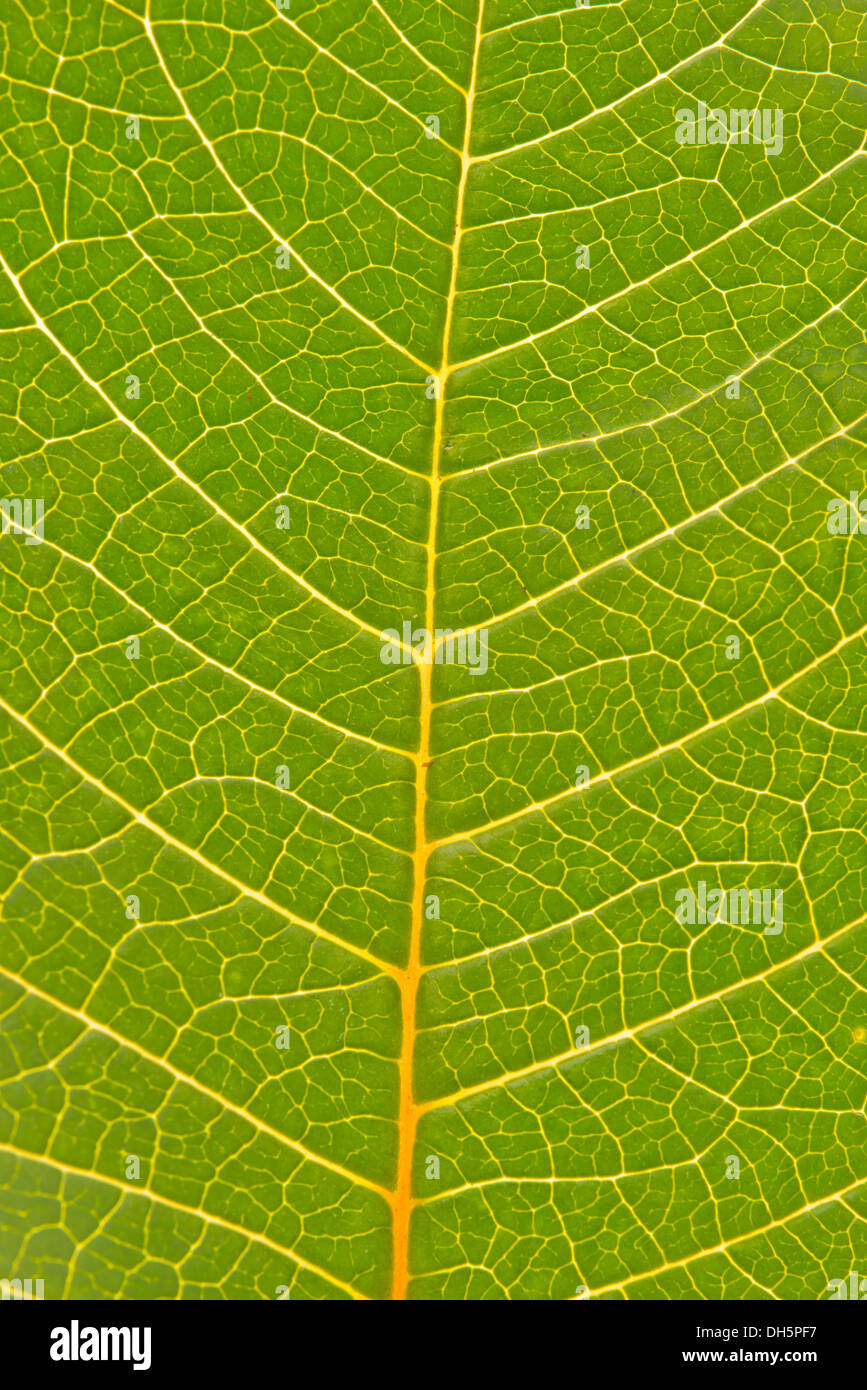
403 1199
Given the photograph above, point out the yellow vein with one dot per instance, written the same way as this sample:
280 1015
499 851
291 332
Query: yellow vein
599 304
213 661
82 101
237 779
275 400
630 1034
422 59
454 965
556 14
623 556
142 1190
467 835
179 473
254 212
625 96
403 1199
326 52
725 1245
143 819
184 1079
281 136
697 399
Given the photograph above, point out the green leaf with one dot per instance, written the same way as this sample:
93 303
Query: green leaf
329 976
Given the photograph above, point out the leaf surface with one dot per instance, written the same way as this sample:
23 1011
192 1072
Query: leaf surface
325 977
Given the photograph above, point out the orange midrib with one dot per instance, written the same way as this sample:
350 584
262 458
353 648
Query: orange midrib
403 1199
